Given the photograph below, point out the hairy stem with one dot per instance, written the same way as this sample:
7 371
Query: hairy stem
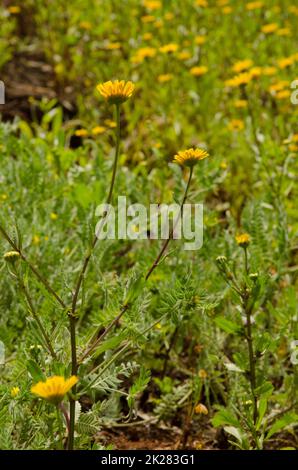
32 267
167 241
72 314
252 360
36 318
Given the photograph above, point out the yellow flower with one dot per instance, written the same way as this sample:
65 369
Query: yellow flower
190 157
148 19
54 388
198 71
81 132
158 24
152 4
54 216
223 165
284 32
199 40
98 130
11 256
201 409
236 125
167 48
240 104
255 71
169 16
242 65
14 391
243 240
278 86
85 25
14 9
293 9
36 239
241 79
165 78
143 53
269 71
202 3
110 123
147 36
253 5
203 374
184 55
113 46
116 92
269 28
227 10
286 62
283 94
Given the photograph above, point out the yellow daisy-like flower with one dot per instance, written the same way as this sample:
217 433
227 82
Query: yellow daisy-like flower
240 103
269 28
148 19
184 55
14 9
202 3
167 48
242 65
54 388
283 94
283 32
203 374
14 391
81 132
190 157
253 5
199 70
236 125
286 62
243 239
165 77
116 92
98 130
152 4
241 79
268 71
85 25
199 40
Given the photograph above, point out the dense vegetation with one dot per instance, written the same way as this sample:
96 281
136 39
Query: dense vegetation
207 345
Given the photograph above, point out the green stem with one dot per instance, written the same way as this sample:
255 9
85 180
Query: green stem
166 243
72 313
60 427
36 318
32 267
252 360
246 260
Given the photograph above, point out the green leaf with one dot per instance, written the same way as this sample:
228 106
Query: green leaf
35 371
235 432
282 423
266 389
227 325
262 408
223 417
